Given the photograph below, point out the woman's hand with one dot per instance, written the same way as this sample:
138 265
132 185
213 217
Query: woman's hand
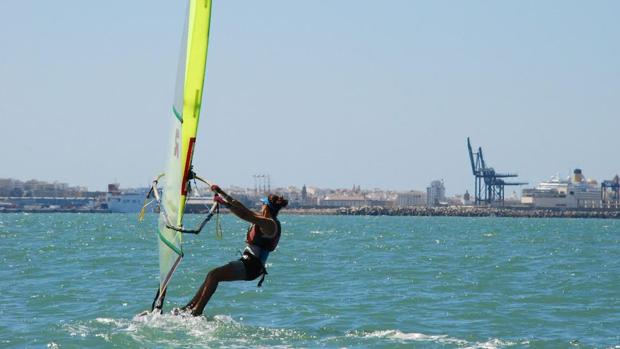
216 188
219 200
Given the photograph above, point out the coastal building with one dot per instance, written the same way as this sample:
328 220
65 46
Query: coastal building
381 203
11 187
35 188
410 198
513 200
304 195
573 192
40 196
49 204
339 200
456 200
435 193
292 193
467 198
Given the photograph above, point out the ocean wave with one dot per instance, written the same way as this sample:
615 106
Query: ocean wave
397 335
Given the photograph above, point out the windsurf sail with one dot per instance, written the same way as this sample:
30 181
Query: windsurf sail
185 114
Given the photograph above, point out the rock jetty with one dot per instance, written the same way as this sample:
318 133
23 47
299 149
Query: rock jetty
461 211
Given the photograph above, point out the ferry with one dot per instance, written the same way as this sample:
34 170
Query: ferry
125 201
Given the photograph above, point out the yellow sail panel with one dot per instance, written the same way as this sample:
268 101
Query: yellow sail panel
185 115
197 46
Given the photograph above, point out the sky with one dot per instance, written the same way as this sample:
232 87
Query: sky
322 93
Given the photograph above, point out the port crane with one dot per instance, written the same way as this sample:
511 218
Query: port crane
610 193
489 184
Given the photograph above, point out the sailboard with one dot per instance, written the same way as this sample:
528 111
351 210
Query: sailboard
185 114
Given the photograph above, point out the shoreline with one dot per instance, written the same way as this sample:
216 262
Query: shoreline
472 211
450 211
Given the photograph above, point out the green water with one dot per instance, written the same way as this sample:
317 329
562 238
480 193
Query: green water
78 280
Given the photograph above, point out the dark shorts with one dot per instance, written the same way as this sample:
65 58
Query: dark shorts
253 266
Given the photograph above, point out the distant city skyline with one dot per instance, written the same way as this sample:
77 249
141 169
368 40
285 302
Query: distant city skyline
329 94
66 185
62 185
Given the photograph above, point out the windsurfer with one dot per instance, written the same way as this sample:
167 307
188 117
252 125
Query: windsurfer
262 238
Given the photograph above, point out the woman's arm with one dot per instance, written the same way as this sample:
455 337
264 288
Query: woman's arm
267 225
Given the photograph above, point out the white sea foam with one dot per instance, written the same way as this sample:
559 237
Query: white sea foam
107 321
76 330
397 335
404 336
213 331
490 344
195 326
105 336
227 319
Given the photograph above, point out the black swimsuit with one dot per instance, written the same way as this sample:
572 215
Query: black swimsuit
253 266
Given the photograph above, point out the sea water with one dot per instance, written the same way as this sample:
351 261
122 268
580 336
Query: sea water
78 281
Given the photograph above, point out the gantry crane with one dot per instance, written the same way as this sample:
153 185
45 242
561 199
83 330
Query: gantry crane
489 185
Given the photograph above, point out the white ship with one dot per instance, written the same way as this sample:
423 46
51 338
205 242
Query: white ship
126 201
131 201
573 192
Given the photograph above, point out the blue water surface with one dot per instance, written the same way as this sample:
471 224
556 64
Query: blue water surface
78 281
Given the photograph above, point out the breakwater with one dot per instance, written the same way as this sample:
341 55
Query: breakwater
460 211
456 211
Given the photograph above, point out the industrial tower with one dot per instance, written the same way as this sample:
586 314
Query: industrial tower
489 185
262 184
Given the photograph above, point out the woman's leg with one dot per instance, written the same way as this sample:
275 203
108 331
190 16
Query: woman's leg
230 272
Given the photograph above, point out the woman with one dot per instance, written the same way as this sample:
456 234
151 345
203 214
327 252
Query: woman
262 238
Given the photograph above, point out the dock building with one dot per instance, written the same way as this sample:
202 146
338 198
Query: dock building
410 198
337 200
435 193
